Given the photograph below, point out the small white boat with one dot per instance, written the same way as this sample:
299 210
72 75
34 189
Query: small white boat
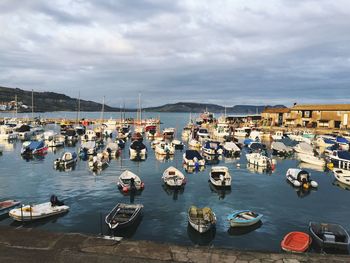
242 132
311 159
155 142
39 211
113 149
201 219
300 178
99 161
203 133
89 135
168 133
173 177
194 144
256 135
177 144
137 149
278 135
219 176
258 159
342 176
164 148
67 159
129 181
88 148
304 148
193 158
231 149
280 148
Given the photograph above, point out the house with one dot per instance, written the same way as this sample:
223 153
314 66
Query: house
274 116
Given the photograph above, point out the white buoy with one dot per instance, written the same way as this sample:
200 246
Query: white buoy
238 165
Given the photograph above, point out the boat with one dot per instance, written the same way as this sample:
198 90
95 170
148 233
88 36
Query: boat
177 144
256 147
155 142
58 140
278 135
231 149
168 133
137 149
172 177
99 161
128 181
324 141
7 205
342 176
203 133
164 148
137 136
123 215
311 159
33 147
194 144
150 130
39 211
243 218
327 235
258 159
296 242
279 148
242 132
87 148
201 219
193 158
212 148
113 149
67 159
300 178
219 176
222 131
256 135
121 143
340 159
7 133
343 143
304 148
89 135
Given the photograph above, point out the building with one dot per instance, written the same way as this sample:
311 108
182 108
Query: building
274 116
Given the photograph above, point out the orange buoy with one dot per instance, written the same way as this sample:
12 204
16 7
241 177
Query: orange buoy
296 242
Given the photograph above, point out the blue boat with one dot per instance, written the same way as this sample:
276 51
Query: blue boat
242 218
33 147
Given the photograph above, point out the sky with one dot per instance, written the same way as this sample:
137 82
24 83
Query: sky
225 52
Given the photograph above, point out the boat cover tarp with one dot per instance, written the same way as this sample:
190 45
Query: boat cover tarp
137 145
36 145
342 140
231 146
344 155
212 145
23 128
191 154
305 147
280 147
257 146
70 132
88 145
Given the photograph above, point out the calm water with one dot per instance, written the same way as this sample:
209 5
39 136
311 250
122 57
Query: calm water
90 196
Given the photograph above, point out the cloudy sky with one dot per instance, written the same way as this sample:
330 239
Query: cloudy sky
225 51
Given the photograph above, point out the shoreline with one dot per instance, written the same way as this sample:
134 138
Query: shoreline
33 245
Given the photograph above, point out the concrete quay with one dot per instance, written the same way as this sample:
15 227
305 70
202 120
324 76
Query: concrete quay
32 245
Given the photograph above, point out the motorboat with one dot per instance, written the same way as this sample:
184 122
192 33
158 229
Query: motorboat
164 148
304 148
137 149
279 148
67 159
212 148
123 215
256 135
172 177
219 176
87 148
203 133
258 159
342 176
311 159
7 133
242 132
177 144
38 211
128 181
168 133
7 205
121 143
222 131
297 242
327 235
201 219
90 135
194 144
300 178
33 147
113 149
137 136
99 161
231 149
340 159
193 158
278 135
243 218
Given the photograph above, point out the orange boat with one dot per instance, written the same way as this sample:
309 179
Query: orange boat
296 242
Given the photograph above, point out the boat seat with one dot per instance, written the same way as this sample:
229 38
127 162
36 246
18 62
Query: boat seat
328 237
248 217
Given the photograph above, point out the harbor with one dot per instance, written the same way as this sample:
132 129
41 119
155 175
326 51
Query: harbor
92 193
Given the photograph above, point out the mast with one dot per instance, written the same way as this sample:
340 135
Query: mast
103 108
32 104
78 113
16 105
140 121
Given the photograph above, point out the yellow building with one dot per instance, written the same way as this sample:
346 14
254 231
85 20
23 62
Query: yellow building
319 115
274 116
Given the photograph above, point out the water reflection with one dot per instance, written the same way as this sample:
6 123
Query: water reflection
39 222
164 157
192 169
341 185
201 239
258 169
211 159
239 231
173 191
221 191
318 168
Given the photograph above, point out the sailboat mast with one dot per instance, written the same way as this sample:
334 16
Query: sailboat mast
140 120
103 108
16 105
32 104
78 109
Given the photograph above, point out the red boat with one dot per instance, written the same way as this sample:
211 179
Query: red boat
6 206
296 242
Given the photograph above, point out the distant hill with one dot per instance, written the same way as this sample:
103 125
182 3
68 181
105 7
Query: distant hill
50 101
200 107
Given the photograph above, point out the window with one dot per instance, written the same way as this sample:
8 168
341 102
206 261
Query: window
307 114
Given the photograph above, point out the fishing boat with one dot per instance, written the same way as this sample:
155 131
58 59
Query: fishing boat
279 148
39 211
137 149
168 133
296 242
340 159
243 218
194 144
172 177
33 147
300 178
7 205
311 159
231 149
304 148
67 159
219 176
212 148
342 176
201 219
193 158
123 215
164 148
129 181
258 159
328 235
177 144
113 149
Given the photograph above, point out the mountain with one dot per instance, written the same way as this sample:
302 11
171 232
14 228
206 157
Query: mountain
200 107
49 101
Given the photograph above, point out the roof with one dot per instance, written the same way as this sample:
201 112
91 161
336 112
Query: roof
324 107
276 110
